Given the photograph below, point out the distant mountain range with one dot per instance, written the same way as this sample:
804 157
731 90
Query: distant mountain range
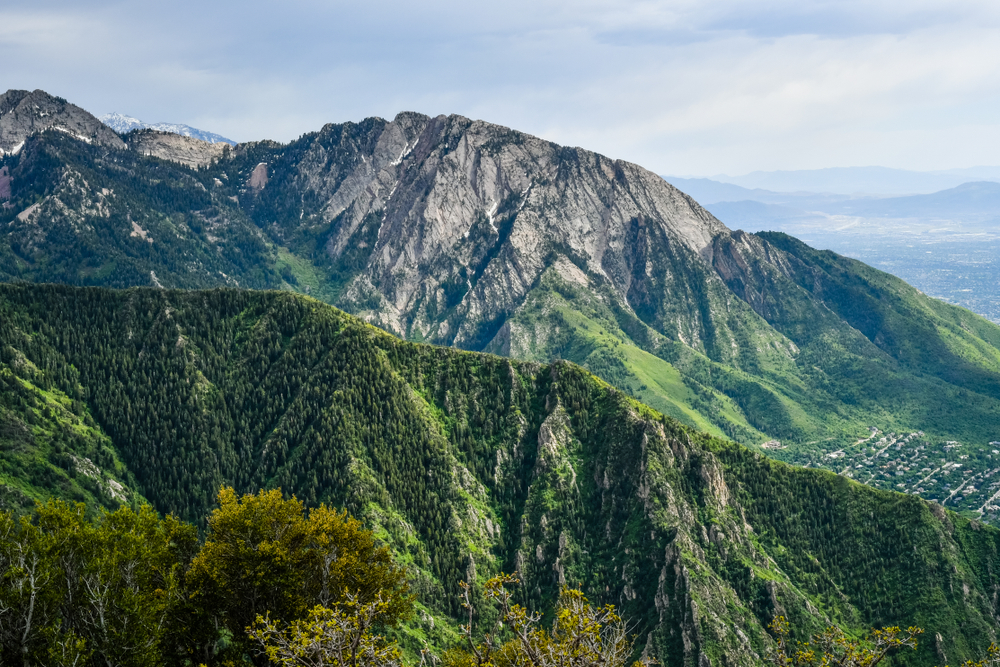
123 124
860 180
946 243
968 202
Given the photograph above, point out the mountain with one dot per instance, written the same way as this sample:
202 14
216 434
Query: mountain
187 151
968 202
861 180
707 192
466 234
84 215
24 113
462 233
753 215
468 463
123 124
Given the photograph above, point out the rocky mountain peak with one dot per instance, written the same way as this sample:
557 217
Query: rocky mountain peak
23 113
121 123
458 218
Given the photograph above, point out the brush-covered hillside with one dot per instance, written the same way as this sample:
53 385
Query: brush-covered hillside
468 464
467 234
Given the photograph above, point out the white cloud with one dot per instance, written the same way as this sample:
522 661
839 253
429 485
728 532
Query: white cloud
682 87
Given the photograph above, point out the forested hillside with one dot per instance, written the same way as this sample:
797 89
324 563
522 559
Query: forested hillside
466 464
89 215
463 233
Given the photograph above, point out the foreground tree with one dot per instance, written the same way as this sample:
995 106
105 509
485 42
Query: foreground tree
833 648
75 591
265 556
580 636
340 637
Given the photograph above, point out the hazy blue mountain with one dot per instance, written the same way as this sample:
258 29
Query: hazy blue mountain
969 201
706 191
946 243
765 209
757 216
861 180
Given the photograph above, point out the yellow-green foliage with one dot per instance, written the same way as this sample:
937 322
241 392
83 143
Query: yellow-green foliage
580 634
340 637
265 553
834 647
74 591
130 588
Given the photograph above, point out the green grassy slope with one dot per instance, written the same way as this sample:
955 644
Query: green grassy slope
811 378
50 445
469 463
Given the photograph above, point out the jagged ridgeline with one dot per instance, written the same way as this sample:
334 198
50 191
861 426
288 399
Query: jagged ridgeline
469 463
464 233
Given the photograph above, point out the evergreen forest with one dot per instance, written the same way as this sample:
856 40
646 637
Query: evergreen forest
463 465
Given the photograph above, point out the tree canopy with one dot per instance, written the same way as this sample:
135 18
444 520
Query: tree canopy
266 554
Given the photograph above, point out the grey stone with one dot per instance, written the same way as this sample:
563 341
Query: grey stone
24 113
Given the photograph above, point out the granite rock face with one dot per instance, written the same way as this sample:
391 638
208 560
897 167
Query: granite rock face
457 220
24 113
176 148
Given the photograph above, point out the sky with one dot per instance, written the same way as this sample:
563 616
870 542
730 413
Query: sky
686 87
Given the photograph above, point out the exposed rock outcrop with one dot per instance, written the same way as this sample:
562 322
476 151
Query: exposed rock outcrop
457 220
176 148
4 183
24 113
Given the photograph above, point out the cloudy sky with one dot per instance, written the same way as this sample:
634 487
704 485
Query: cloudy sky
686 87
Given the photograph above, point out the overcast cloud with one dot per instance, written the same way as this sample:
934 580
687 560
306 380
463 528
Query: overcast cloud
683 87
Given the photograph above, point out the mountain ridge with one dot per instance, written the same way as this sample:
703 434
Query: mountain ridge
123 124
23 113
463 233
466 464
870 180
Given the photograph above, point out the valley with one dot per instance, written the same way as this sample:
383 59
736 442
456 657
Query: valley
960 477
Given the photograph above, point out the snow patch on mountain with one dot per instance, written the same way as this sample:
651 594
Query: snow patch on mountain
123 124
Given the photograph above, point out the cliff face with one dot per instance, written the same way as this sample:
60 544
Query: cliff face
463 233
458 219
467 234
187 151
24 113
